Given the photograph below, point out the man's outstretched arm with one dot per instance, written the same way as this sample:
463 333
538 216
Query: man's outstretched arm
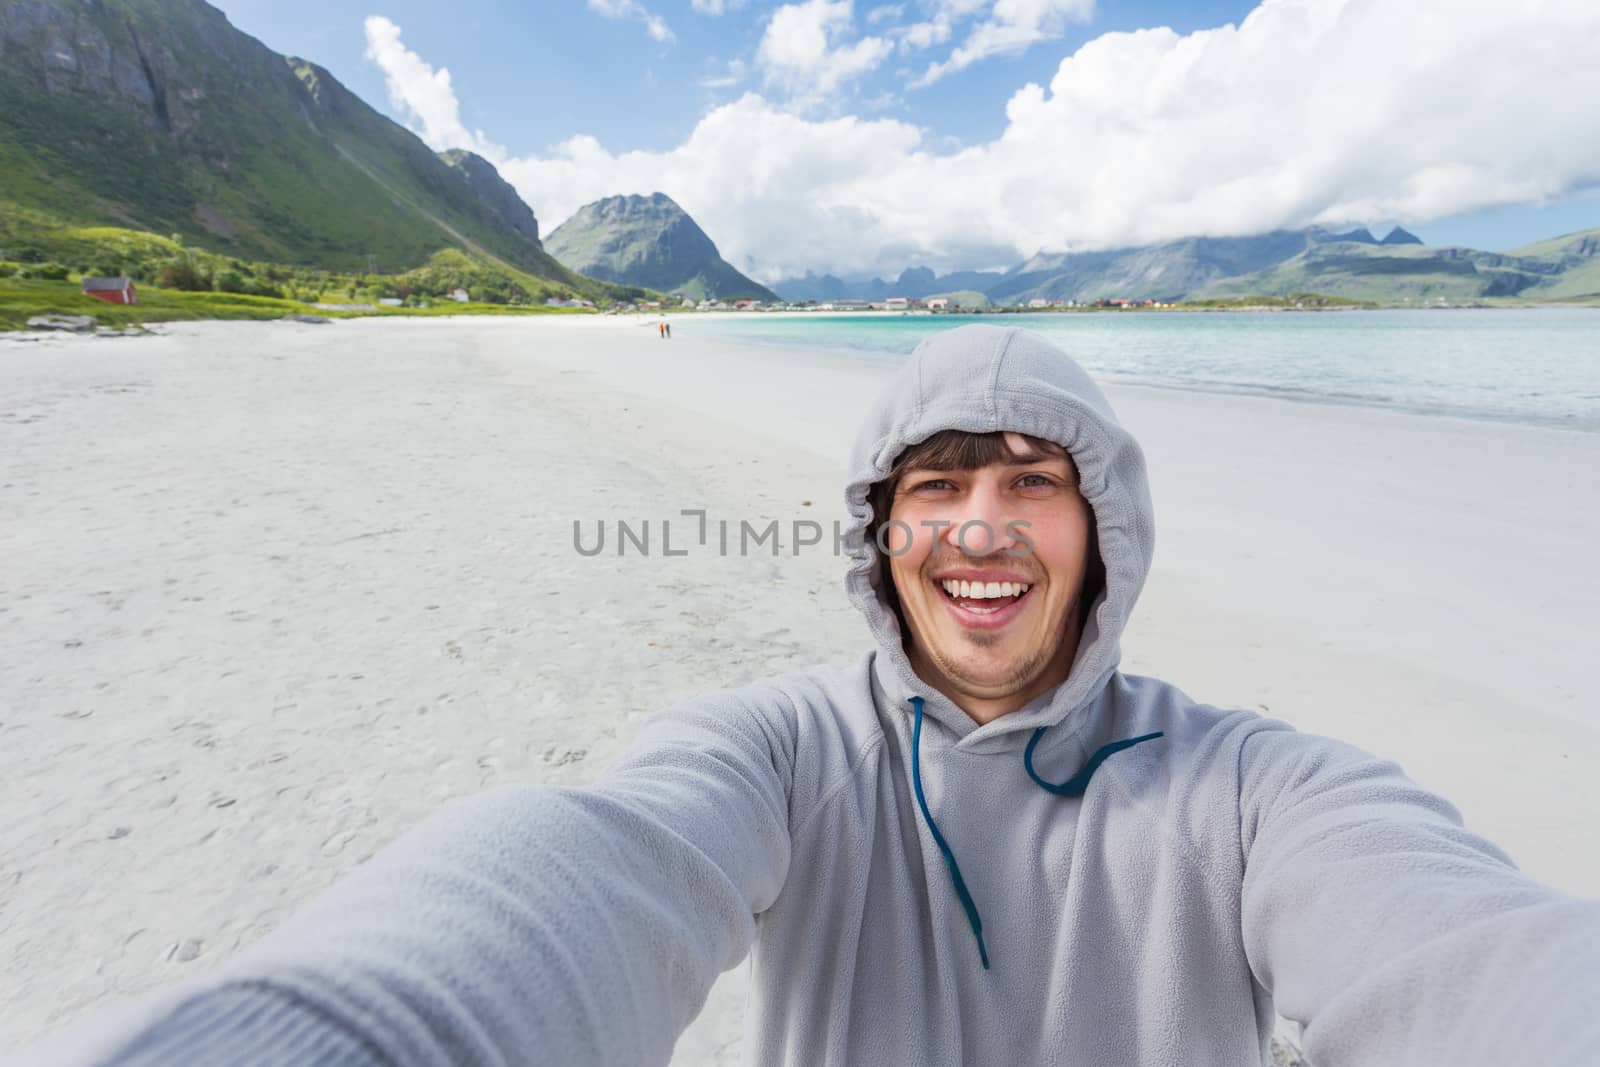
1395 935
525 924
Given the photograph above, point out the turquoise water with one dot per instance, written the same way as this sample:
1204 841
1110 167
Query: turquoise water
1527 365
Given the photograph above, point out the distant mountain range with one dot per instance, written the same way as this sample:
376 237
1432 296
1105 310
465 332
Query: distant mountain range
1352 264
649 241
913 281
159 115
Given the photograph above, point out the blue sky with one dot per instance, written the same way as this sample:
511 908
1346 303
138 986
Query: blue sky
532 75
643 82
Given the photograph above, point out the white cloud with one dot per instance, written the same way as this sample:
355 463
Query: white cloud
735 73
654 24
1310 111
1013 26
943 17
715 7
421 94
924 34
803 52
774 189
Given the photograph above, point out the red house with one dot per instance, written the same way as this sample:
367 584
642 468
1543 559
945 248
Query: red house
111 290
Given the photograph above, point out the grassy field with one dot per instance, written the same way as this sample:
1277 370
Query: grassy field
44 257
23 298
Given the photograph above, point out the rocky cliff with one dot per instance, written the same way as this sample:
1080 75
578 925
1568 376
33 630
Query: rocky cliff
649 241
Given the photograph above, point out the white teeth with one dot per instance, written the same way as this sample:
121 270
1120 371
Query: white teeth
983 590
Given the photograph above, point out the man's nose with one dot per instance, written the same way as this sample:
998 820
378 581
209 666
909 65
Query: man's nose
980 525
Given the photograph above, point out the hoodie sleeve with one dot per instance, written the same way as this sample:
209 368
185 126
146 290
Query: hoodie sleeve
1393 934
525 924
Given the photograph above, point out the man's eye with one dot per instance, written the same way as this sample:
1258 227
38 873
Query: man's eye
1034 481
934 484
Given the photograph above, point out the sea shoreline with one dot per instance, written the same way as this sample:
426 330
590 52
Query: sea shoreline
1584 423
131 326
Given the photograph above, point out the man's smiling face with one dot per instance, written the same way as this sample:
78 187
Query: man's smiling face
989 566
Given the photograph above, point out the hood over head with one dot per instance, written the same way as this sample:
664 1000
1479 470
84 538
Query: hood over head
983 379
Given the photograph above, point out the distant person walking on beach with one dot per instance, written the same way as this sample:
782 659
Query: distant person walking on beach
668 327
661 329
981 842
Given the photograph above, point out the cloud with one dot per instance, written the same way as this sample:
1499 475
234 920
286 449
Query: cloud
735 73
715 7
924 34
1013 26
773 188
940 24
422 95
1309 111
804 55
654 24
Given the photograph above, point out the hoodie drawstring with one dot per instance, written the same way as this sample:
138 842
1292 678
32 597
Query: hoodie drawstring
949 857
1072 787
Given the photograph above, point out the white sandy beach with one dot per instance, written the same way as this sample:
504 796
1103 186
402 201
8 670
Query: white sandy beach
270 593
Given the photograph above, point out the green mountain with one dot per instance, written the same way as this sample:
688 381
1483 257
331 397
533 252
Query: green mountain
920 282
1407 272
1575 260
1354 265
649 241
493 191
1168 271
159 115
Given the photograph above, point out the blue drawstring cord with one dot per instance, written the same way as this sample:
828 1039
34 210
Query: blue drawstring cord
949 857
1072 787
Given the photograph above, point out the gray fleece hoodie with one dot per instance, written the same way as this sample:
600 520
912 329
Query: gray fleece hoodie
1143 904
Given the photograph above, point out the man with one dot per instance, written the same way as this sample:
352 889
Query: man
979 844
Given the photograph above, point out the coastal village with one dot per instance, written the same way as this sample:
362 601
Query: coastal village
904 304
122 290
